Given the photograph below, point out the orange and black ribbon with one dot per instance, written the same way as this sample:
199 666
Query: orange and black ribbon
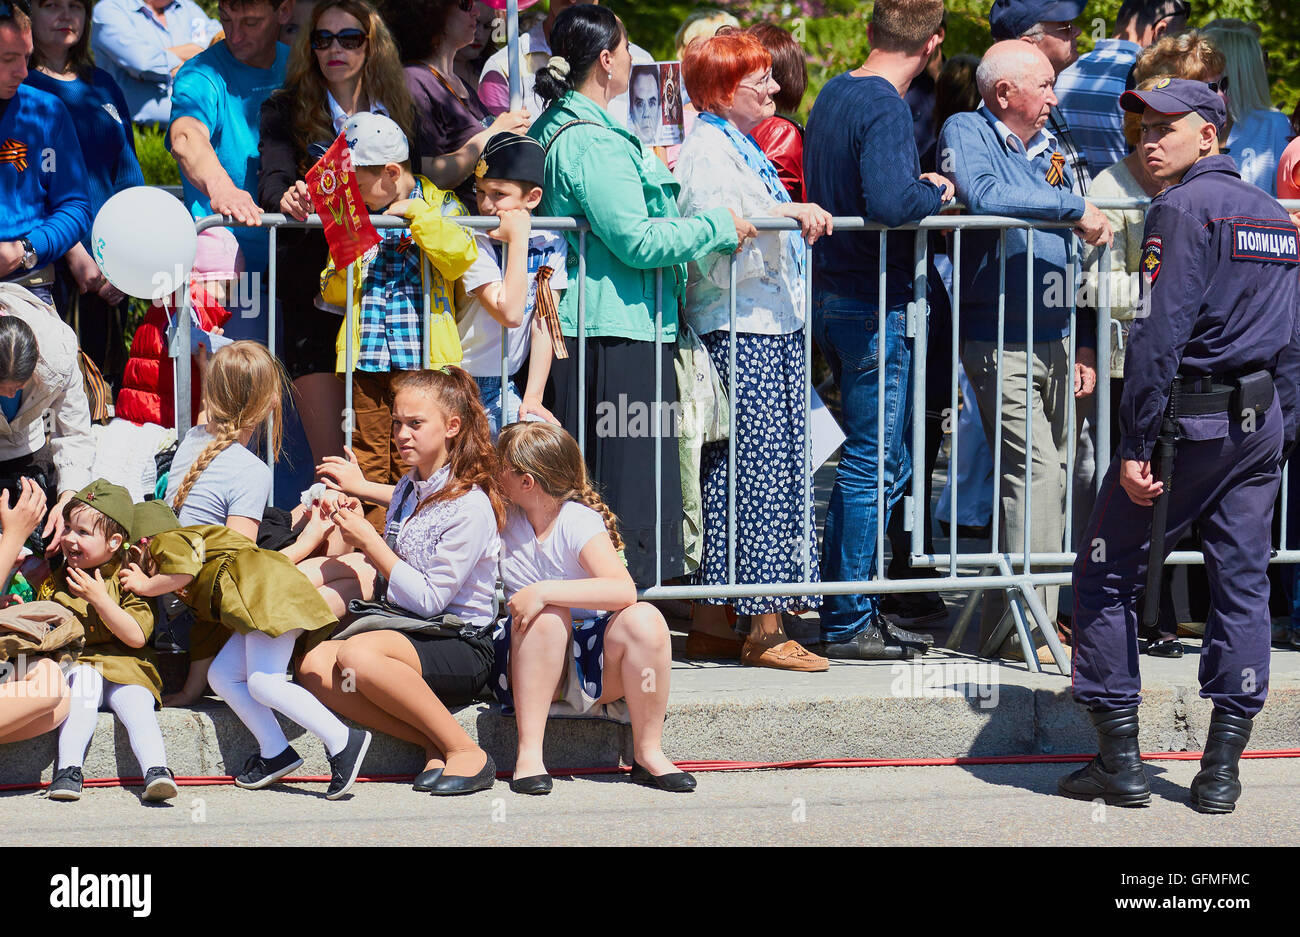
546 310
11 151
1056 171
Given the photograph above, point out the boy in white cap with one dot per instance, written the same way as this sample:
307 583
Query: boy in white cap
389 286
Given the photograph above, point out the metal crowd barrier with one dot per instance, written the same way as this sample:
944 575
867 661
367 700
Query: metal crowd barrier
1020 574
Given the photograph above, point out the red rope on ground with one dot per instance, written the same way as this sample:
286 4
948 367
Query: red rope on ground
701 766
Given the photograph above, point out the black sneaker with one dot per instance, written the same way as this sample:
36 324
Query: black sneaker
259 772
346 765
159 784
66 784
871 643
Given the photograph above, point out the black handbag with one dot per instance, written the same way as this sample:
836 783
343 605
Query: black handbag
382 615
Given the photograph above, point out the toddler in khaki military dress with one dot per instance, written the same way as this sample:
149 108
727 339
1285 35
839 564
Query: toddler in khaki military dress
267 605
116 668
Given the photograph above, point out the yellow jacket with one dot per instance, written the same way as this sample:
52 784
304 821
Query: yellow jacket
450 249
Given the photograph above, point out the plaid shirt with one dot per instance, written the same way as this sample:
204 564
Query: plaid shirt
1069 147
392 303
1089 93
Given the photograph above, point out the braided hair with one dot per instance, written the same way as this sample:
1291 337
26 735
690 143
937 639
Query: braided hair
244 386
551 456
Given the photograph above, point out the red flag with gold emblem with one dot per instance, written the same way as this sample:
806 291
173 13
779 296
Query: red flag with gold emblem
337 199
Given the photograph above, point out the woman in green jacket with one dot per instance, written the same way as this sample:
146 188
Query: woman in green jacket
599 170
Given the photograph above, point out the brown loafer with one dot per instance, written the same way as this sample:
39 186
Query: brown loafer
789 655
701 646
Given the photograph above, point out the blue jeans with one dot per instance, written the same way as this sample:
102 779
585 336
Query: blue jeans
489 391
847 331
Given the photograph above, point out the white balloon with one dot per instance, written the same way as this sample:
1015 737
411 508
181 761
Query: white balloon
144 241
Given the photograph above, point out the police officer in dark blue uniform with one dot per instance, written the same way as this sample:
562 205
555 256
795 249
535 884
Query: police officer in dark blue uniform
1213 365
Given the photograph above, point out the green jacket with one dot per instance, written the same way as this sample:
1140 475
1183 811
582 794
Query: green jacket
603 173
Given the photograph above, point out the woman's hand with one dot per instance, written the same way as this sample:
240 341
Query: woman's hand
744 230
351 523
341 474
85 586
296 201
531 406
814 221
525 605
511 122
53 531
25 515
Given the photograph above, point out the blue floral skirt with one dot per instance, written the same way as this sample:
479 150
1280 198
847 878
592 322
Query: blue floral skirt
581 685
770 432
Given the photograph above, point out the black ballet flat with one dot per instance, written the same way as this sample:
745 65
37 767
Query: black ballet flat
679 782
535 784
450 784
425 780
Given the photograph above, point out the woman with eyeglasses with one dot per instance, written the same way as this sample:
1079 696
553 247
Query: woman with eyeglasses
61 63
452 125
343 62
1257 131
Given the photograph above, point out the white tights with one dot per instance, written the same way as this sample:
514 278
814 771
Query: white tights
132 703
249 673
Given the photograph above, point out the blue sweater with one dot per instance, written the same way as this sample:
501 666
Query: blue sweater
99 113
993 179
42 177
860 159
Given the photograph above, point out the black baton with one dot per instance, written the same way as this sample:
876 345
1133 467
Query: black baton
1162 466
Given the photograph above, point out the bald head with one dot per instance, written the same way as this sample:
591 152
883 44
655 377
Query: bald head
1015 80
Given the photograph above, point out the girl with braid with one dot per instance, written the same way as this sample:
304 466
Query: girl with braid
576 639
436 561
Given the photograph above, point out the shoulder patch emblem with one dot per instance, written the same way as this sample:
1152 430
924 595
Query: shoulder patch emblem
1266 240
1151 257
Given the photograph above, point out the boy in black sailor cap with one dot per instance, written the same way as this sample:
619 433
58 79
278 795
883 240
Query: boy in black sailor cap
511 288
1212 374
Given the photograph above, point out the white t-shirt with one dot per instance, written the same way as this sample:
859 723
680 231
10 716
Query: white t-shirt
480 334
235 483
526 560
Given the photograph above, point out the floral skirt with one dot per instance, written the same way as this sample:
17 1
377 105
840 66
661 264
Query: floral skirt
582 683
770 433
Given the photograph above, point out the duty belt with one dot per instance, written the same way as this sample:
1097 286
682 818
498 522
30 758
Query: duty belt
1214 393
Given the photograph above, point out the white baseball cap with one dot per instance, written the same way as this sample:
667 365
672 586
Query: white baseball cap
375 140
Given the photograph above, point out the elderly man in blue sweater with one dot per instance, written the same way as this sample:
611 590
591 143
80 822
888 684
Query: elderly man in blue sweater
44 208
1004 162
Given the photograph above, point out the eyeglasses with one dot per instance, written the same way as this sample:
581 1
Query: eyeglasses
761 86
466 5
1220 85
7 8
350 39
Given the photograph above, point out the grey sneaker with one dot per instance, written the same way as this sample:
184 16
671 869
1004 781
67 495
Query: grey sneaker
159 784
66 784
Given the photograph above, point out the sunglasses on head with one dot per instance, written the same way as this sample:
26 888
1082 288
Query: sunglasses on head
7 8
350 39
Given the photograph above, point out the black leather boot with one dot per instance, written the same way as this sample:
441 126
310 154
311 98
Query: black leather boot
1116 775
1215 788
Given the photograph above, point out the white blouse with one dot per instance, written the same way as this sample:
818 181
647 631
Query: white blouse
769 287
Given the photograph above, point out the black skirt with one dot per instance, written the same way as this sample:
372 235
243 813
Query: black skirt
456 669
622 420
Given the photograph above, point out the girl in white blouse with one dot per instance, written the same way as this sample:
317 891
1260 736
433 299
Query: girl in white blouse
437 556
577 639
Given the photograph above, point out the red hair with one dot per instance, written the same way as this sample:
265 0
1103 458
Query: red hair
712 68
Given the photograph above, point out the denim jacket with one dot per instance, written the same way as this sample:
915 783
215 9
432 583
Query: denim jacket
604 174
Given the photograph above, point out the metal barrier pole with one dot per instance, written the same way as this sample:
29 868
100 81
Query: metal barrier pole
505 341
953 414
1027 526
882 453
918 328
1071 449
582 343
181 363
996 522
1102 437
514 68
426 355
807 412
271 346
349 323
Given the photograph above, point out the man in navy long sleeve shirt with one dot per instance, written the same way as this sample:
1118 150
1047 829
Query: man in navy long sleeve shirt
44 208
1006 163
860 159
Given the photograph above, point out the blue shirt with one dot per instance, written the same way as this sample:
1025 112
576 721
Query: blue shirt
1219 263
226 96
994 175
10 406
1088 94
99 115
42 177
131 45
392 303
860 159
